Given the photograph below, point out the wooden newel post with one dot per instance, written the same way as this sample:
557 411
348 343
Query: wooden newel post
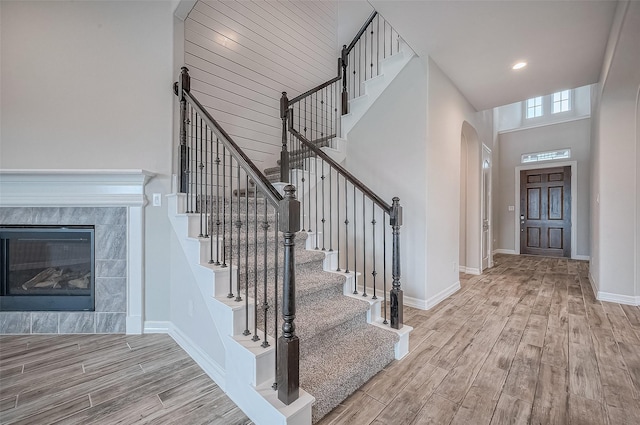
183 84
288 378
344 60
284 154
396 291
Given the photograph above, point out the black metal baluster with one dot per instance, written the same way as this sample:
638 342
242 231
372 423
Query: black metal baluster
304 163
323 128
330 210
359 69
323 219
346 227
373 237
371 58
384 266
338 218
275 301
365 56
224 214
190 205
239 227
317 186
364 250
207 214
255 269
377 49
265 304
224 172
353 89
355 244
246 256
200 168
217 263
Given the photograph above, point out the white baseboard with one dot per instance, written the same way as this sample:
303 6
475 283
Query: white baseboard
617 298
613 298
581 257
156 327
415 303
442 295
212 369
505 251
469 270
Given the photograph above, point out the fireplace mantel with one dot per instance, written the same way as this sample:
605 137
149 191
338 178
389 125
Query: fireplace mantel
47 188
38 188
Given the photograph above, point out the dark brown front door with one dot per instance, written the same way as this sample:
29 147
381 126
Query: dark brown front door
545 217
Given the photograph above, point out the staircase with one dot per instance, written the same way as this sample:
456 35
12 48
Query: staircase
301 326
342 340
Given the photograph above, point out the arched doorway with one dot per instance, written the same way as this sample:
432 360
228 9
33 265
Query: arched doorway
475 205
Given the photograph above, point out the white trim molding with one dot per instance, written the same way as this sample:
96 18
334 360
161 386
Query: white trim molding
504 251
469 270
157 327
91 188
613 298
442 295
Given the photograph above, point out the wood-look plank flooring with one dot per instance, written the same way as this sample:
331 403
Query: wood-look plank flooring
107 379
525 343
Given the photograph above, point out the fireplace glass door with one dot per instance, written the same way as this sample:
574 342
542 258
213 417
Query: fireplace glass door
47 268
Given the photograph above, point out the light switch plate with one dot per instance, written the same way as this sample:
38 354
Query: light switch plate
157 199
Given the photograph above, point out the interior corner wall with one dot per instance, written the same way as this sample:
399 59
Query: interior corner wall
386 150
575 135
447 111
87 85
614 266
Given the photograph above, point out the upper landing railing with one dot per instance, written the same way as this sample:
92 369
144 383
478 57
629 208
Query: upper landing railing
334 202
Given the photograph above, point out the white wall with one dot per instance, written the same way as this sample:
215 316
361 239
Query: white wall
386 150
573 134
88 85
447 111
614 268
242 55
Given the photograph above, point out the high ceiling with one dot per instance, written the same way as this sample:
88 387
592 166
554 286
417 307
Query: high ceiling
476 43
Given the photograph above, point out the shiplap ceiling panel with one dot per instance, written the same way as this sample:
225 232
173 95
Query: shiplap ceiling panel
243 54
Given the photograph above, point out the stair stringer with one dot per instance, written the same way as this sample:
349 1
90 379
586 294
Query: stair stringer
373 87
249 368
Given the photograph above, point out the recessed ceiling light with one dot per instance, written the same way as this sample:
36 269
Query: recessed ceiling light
519 65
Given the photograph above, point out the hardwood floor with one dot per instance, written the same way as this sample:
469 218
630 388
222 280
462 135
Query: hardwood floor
106 379
525 343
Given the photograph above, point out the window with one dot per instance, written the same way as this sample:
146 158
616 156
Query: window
545 156
534 107
561 102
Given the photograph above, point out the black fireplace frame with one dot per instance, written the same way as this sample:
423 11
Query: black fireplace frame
37 302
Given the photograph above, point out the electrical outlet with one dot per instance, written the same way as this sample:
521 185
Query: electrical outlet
157 199
455 266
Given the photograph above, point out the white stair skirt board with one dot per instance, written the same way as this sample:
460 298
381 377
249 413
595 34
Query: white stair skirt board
372 88
248 378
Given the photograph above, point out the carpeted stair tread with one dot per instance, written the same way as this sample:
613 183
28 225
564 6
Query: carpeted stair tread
346 362
316 318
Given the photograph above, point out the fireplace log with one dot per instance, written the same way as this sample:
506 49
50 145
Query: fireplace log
47 275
